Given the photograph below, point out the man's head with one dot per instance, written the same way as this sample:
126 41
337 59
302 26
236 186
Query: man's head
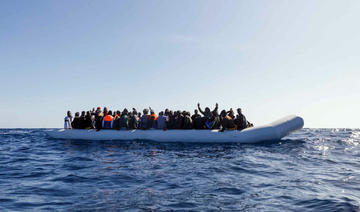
231 113
207 110
223 113
77 114
145 111
196 111
98 110
69 113
125 111
161 113
239 111
82 113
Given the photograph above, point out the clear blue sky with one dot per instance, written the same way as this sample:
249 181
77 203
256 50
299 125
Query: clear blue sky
271 58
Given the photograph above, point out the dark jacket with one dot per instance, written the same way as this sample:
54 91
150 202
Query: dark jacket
171 124
198 123
124 121
208 114
116 124
193 117
98 122
227 122
144 122
76 124
179 121
87 123
240 122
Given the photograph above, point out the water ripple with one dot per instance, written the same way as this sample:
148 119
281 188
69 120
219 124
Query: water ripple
310 170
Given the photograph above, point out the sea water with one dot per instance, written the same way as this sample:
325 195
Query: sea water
310 170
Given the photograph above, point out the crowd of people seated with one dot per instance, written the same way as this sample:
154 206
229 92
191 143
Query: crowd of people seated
166 120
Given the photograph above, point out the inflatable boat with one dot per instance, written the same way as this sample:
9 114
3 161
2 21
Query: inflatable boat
270 132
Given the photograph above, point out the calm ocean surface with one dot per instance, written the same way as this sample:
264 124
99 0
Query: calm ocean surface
311 170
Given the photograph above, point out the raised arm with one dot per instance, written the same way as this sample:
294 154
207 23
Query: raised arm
216 107
201 111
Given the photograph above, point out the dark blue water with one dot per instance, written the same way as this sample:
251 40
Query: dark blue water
311 170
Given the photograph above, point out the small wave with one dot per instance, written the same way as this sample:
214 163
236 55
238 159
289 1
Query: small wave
327 205
310 170
183 205
231 191
71 178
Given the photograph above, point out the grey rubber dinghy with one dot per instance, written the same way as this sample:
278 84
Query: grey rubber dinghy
273 131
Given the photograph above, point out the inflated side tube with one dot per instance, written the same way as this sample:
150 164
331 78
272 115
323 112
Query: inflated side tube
272 131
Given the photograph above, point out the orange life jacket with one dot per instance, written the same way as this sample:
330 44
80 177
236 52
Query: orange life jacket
108 118
152 115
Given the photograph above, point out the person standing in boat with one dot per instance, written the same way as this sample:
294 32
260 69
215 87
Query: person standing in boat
196 115
197 121
241 121
152 119
187 121
212 122
108 120
76 123
208 113
144 120
161 121
211 118
116 115
167 112
133 119
116 123
179 120
68 120
87 122
82 120
98 111
171 124
139 120
124 120
98 119
226 121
